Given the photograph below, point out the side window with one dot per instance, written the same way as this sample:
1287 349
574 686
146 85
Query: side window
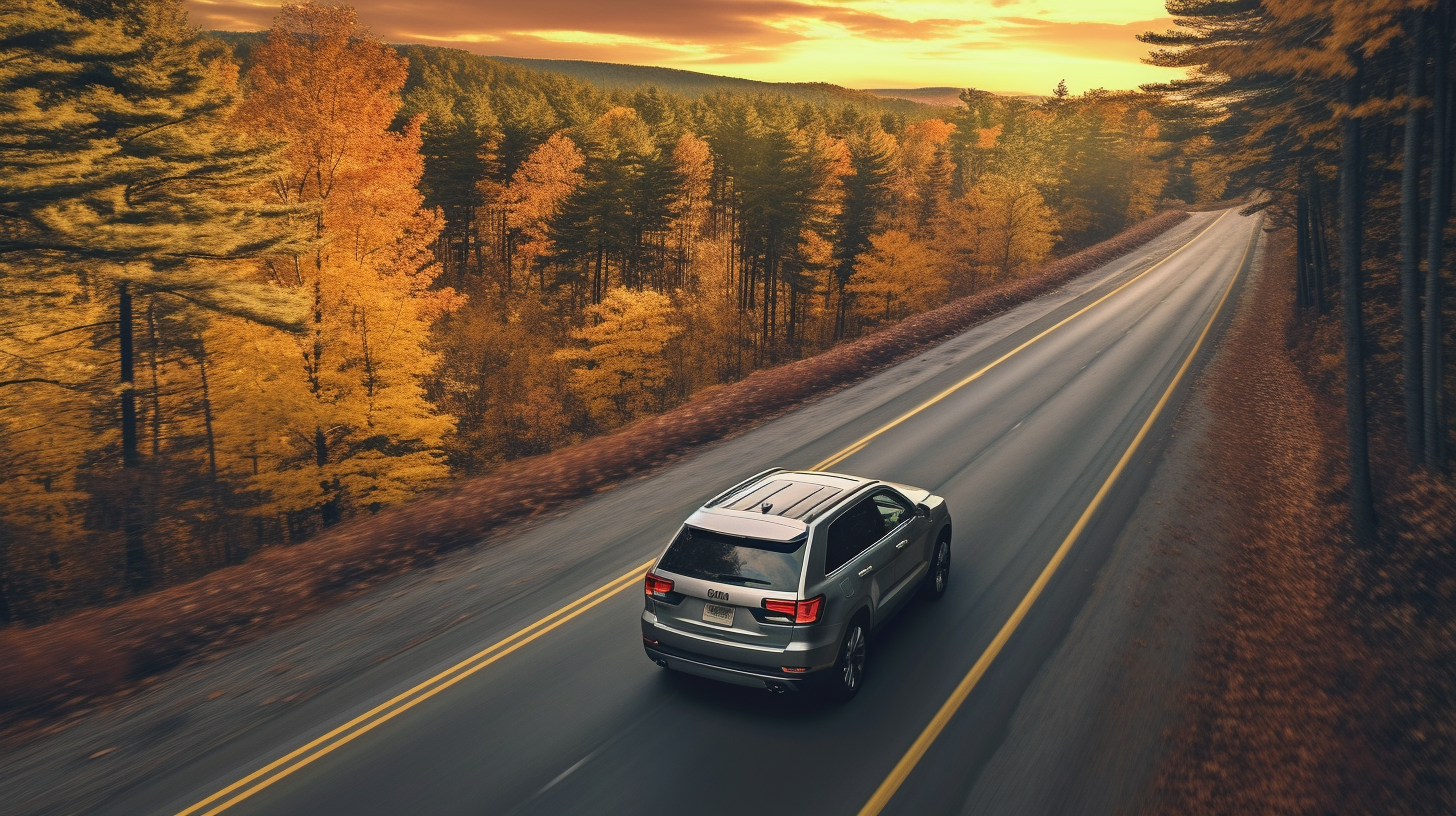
853 533
892 509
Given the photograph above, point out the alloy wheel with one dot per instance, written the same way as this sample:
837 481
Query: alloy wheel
854 658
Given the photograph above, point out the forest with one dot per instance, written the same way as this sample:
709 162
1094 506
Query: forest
1341 114
252 286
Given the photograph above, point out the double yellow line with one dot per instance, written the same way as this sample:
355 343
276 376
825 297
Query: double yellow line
907 763
408 699
405 700
860 443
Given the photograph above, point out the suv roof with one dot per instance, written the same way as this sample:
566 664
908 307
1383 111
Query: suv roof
777 504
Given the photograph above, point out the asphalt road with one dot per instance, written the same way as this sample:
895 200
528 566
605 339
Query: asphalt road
573 718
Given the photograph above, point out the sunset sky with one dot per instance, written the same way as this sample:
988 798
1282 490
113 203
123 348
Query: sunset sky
997 45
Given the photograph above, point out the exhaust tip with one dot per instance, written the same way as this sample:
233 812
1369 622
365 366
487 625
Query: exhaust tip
777 688
662 663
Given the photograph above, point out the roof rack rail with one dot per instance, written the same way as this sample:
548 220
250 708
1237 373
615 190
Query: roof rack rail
745 483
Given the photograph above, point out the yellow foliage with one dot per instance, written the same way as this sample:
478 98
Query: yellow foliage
621 373
1015 229
898 276
339 414
49 437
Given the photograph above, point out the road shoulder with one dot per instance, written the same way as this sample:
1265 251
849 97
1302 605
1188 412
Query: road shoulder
1091 728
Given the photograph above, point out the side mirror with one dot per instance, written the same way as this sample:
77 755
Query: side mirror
922 511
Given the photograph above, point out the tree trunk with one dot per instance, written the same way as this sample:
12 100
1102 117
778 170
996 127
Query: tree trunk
155 342
329 513
1319 245
1352 160
1410 262
212 485
207 411
130 458
138 563
1433 380
1303 292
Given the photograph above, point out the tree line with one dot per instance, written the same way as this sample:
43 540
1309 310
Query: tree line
1342 113
254 286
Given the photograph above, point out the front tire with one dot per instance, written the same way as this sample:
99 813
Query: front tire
938 576
849 669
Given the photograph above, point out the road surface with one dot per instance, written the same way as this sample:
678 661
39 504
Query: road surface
545 704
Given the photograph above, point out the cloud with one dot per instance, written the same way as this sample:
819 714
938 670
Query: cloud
845 41
715 28
1108 41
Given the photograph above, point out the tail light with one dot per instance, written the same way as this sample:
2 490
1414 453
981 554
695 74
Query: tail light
656 585
800 611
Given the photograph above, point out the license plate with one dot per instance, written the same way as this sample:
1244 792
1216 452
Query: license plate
721 615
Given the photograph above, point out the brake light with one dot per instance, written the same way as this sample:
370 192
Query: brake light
800 611
656 585
789 608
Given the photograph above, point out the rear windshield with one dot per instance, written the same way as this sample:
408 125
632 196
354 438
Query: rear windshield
732 559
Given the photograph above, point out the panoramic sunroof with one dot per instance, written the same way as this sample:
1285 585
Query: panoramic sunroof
789 499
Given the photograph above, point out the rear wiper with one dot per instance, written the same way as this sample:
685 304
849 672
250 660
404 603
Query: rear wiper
739 579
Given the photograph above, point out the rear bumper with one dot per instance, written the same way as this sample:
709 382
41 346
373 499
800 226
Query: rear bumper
811 648
726 672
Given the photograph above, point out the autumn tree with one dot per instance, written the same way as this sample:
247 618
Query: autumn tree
898 276
1017 229
621 373
537 192
339 414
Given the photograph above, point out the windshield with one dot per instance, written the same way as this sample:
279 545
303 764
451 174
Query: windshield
731 559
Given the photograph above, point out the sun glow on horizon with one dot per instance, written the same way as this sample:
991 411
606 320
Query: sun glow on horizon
1020 46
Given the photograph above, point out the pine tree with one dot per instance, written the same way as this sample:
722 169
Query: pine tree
137 179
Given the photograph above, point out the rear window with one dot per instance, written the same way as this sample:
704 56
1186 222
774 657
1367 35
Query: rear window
730 559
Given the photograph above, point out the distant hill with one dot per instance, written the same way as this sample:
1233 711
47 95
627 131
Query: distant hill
614 76
944 97
913 104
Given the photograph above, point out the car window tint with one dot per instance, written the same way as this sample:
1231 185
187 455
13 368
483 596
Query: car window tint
853 533
892 510
714 556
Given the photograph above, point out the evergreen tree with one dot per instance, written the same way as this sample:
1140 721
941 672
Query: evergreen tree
137 179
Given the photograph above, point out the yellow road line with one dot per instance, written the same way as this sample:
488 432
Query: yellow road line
298 758
363 723
863 441
907 763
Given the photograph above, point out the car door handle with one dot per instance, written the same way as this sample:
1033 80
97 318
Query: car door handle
866 570
902 544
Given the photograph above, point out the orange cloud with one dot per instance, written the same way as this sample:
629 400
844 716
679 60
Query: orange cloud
722 27
860 43
1083 39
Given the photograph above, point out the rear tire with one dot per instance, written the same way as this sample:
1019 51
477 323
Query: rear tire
849 668
938 576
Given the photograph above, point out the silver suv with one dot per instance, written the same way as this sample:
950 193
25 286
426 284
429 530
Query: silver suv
778 581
